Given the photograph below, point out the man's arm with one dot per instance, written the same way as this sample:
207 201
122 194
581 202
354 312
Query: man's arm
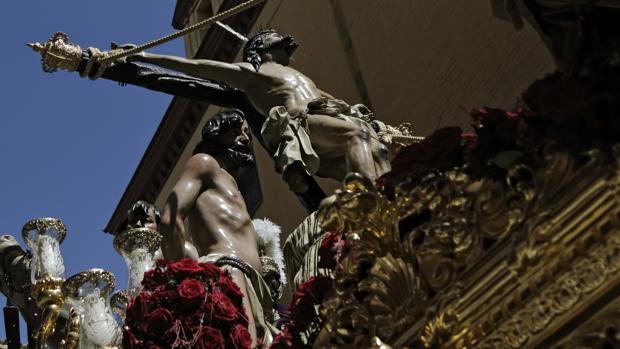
232 74
183 197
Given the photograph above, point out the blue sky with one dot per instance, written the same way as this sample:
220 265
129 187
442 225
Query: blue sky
68 145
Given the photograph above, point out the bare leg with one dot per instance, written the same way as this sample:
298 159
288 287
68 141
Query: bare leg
381 156
329 135
359 155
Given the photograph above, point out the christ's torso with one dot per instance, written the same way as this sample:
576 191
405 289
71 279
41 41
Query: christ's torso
219 222
281 86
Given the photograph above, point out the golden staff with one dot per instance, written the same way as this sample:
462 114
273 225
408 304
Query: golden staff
59 53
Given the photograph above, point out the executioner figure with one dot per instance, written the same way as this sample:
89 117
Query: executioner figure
218 222
307 130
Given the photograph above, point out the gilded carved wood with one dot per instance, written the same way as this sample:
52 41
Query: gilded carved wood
492 263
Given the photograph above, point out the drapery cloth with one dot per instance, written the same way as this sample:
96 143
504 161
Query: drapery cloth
288 138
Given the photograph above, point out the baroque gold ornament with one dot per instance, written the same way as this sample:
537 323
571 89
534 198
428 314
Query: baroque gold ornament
453 262
72 331
58 53
394 295
49 298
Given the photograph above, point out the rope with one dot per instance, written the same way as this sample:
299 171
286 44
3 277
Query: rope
218 17
415 139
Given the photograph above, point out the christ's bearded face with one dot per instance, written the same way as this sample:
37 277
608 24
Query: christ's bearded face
279 47
235 142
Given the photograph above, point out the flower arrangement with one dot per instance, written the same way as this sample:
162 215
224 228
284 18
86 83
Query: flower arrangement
331 250
571 113
302 321
186 304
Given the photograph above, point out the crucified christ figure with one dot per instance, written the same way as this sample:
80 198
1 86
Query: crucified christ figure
308 131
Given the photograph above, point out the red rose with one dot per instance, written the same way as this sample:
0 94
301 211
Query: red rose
159 323
191 293
190 322
153 278
138 307
441 150
558 98
230 289
319 286
151 345
330 250
185 268
129 339
162 263
165 298
497 130
210 270
222 307
210 338
310 293
241 337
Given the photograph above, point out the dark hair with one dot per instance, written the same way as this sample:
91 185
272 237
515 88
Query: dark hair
219 123
256 45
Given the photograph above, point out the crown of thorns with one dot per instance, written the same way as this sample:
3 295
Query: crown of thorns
256 44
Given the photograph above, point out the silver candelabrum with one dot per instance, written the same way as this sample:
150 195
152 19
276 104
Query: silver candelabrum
87 292
138 247
44 236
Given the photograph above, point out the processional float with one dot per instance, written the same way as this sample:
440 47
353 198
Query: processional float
505 238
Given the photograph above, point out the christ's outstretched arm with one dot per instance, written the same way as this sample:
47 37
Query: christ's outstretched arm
235 75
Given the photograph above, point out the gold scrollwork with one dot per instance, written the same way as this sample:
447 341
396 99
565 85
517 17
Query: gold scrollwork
385 301
403 255
48 295
599 332
584 276
439 329
72 331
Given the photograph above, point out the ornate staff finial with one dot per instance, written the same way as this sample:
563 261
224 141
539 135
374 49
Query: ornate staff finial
58 53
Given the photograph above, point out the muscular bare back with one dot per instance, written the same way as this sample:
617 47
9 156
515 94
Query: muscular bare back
219 222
